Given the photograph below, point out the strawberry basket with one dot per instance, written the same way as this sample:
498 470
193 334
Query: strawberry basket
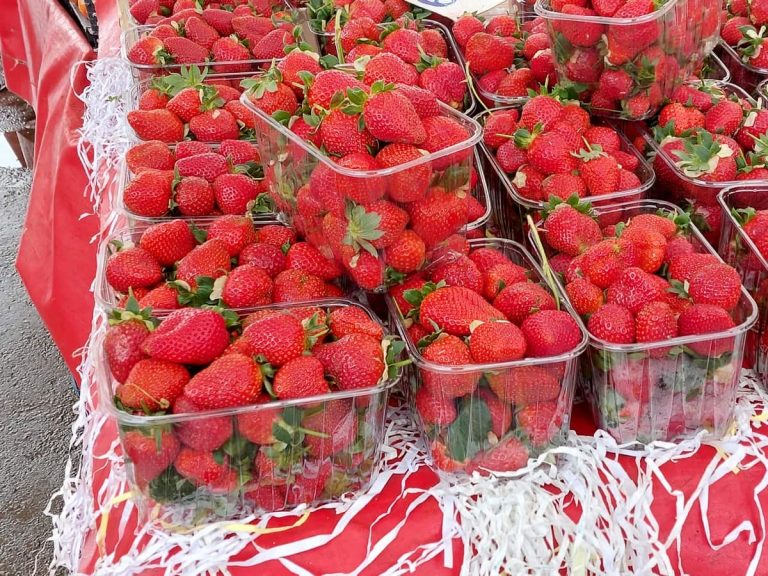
665 347
167 12
230 261
517 195
743 74
344 204
477 411
627 61
744 208
209 433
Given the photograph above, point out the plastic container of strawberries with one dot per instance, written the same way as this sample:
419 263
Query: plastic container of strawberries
762 90
740 251
471 421
742 73
685 32
674 185
714 69
172 499
289 162
511 208
664 390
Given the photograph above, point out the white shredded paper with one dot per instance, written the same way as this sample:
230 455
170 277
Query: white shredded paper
516 523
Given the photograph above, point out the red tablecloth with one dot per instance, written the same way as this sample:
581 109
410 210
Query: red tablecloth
40 45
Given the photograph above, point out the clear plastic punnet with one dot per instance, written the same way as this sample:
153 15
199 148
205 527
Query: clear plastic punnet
658 50
742 73
438 181
741 252
511 208
672 388
193 467
497 416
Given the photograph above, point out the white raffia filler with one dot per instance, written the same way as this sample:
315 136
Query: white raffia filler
105 135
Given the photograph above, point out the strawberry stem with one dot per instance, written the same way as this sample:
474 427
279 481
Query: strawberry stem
548 276
337 37
471 85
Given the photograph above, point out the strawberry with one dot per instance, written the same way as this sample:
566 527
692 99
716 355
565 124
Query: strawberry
297 286
485 53
296 62
122 347
194 197
187 148
447 81
599 172
340 134
360 190
570 231
367 271
522 299
498 125
424 102
405 44
465 27
242 113
612 323
660 224
526 384
309 486
500 411
725 117
278 338
634 38
434 409
300 378
434 43
633 289
148 51
584 33
717 284
211 259
701 319
499 276
152 385
438 215
229 49
257 426
459 272
305 257
200 32
149 193
219 19
656 321
357 30
272 46
493 342
132 267
681 118
265 256
650 247
441 458
214 126
407 253
201 468
390 117
327 84
186 104
163 297
362 51
549 154
277 235
448 351
204 434
153 154
188 336
336 426
454 308
353 320
150 454
443 132
503 25
231 380
677 246
563 186
550 333
236 232
684 266
208 165
585 297
235 193
153 99
486 258
184 51
168 242
508 455
354 361
541 422
405 185
604 262
247 286
514 84
269 94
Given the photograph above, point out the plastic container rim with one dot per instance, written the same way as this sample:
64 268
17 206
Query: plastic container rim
733 54
541 7
420 362
722 198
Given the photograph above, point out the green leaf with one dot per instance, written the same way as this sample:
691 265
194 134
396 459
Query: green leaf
468 434
170 486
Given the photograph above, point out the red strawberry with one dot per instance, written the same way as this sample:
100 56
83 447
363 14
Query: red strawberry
612 323
459 272
424 102
717 284
570 231
278 338
305 257
210 259
725 117
465 27
257 426
214 126
522 299
204 434
187 148
297 286
437 216
599 172
514 84
443 132
153 154
235 193
188 336
354 361
434 43
149 193
208 165
184 51
485 53
265 256
229 49
149 454
272 46
360 190
583 33
493 342
194 196
367 271
542 422
327 84
337 423
236 232
163 297
299 378
650 247
122 347
486 258
684 266
277 235
448 351
550 333
604 262
434 408
146 51
585 297
447 81
200 32
340 134
526 384
407 253
655 322
405 44
247 286
168 242
201 468
550 154
454 308
501 412
231 380
701 319
499 276
390 116
405 185
153 99
508 455
353 320
363 28
133 267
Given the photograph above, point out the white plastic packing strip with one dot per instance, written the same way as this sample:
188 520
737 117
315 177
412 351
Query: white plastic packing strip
514 523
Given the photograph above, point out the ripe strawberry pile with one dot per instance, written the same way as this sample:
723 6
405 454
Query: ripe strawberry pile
483 314
197 360
627 69
744 30
551 149
707 136
188 105
216 14
506 58
228 41
377 227
193 179
231 263
645 280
